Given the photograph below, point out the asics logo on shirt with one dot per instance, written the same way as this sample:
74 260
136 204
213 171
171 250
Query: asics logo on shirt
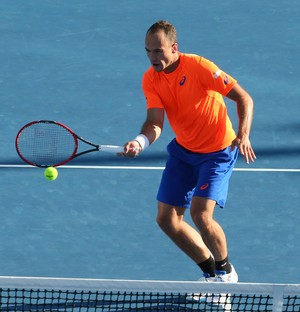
182 81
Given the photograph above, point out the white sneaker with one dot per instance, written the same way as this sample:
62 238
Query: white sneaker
199 296
207 278
224 277
219 299
203 297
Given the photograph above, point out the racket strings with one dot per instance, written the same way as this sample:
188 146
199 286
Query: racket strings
46 144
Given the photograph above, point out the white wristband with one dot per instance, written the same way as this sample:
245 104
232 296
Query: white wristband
143 141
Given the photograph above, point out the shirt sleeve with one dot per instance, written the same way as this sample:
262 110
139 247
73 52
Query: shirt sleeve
153 100
214 78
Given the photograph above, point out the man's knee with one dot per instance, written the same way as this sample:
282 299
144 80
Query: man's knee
202 212
167 217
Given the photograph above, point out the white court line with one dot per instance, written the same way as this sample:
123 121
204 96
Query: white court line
152 168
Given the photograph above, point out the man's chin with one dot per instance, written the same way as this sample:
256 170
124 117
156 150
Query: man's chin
157 68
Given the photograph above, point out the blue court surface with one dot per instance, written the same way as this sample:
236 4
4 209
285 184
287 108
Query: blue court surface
81 63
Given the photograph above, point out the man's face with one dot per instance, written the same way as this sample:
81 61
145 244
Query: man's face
161 52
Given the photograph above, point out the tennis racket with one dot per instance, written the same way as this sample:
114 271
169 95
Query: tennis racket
46 143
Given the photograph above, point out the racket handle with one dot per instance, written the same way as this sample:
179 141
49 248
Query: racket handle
111 148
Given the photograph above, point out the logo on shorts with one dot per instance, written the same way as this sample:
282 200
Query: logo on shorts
204 186
182 81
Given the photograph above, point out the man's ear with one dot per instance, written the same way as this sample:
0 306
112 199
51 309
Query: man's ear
175 47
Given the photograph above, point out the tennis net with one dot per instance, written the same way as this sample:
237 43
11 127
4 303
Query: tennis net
66 294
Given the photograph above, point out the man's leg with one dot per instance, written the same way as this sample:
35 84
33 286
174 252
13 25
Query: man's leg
171 221
202 210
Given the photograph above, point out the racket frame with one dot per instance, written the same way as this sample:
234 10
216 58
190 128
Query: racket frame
96 147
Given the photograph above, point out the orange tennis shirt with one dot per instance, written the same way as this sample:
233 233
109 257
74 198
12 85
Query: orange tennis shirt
192 97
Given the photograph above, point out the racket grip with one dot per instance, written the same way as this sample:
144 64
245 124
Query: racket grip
111 148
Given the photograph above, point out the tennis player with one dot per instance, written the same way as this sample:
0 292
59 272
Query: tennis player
190 90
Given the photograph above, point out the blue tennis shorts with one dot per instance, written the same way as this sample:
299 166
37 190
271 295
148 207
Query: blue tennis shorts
189 174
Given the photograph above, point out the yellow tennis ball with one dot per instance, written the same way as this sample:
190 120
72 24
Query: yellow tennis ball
51 173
